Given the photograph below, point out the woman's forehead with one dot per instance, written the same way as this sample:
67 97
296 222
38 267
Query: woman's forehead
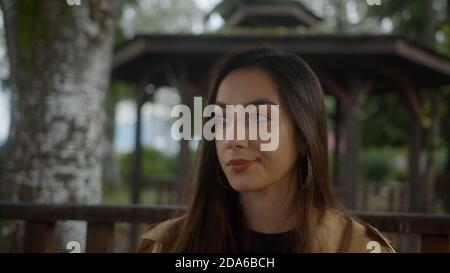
246 85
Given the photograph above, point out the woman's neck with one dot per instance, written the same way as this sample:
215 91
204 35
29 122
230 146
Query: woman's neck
271 209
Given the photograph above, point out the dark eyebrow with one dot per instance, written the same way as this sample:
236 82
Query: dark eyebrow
255 102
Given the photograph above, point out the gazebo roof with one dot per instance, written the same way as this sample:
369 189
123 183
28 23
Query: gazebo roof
341 57
256 13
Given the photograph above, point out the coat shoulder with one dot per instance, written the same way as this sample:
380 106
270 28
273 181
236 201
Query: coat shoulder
343 233
379 243
158 237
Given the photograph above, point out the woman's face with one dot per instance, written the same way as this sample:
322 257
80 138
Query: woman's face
246 167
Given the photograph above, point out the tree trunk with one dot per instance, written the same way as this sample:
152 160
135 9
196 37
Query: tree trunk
60 58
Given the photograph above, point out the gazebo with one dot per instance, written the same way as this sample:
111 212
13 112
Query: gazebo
257 13
350 67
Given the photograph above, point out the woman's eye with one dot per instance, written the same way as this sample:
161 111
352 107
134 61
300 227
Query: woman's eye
258 117
220 120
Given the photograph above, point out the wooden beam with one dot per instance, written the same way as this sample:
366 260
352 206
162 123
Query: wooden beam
131 50
410 223
431 68
91 213
422 57
332 85
407 223
285 9
409 96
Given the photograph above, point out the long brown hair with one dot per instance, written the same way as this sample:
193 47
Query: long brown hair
214 221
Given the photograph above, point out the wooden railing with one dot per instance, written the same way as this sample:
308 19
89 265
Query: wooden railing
433 229
40 221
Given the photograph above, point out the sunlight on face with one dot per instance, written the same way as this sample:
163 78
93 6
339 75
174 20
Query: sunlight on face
245 166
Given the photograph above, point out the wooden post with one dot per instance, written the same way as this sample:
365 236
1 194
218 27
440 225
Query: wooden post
415 140
337 149
137 156
39 236
178 77
137 159
357 93
100 237
430 172
350 157
409 98
342 103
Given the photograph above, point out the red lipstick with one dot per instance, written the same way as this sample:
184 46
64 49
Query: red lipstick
240 165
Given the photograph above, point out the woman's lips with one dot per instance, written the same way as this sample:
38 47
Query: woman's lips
240 165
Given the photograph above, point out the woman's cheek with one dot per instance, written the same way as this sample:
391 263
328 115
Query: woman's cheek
271 166
220 148
283 158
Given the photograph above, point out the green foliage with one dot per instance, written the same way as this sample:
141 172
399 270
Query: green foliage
120 36
444 45
384 121
153 163
118 91
407 16
154 16
375 165
410 18
387 164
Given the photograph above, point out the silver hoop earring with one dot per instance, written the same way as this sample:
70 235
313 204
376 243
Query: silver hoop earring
306 170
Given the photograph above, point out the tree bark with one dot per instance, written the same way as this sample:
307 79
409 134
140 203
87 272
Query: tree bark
60 58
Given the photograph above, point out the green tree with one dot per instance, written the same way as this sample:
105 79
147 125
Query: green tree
60 58
428 22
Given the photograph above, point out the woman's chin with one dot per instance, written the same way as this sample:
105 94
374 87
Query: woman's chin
245 185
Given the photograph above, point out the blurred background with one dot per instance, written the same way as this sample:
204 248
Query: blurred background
87 87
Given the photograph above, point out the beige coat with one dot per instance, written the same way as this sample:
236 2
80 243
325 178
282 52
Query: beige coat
363 237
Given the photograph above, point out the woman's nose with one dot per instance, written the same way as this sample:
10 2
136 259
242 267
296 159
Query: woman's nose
236 144
236 135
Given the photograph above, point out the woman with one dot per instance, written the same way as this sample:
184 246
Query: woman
243 199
